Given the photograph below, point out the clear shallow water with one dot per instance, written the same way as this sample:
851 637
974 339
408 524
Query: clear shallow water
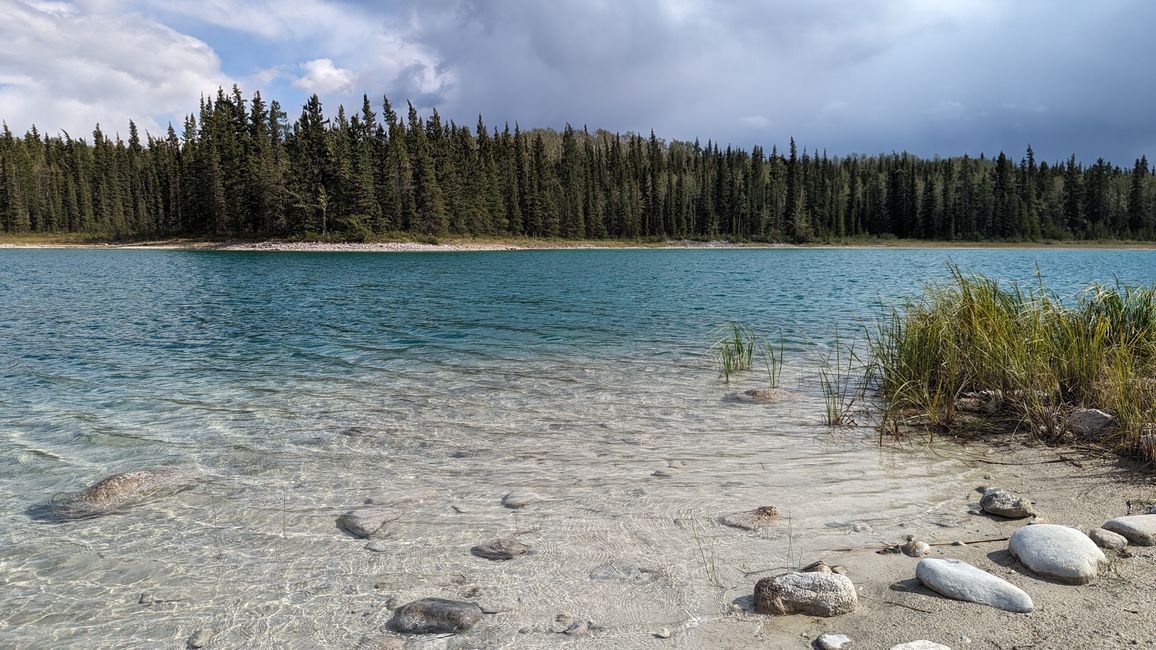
299 385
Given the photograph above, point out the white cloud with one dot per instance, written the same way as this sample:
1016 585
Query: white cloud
322 77
62 67
356 50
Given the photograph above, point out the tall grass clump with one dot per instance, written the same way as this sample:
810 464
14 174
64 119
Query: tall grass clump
843 377
1019 351
734 349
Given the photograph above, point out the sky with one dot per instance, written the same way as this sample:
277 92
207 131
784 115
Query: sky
930 77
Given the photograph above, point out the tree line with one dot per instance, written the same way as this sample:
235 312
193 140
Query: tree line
240 168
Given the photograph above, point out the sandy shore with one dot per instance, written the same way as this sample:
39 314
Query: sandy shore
1068 487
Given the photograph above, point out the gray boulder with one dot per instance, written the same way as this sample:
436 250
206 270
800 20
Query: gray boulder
959 580
366 522
1089 422
1107 539
1058 552
1005 504
1140 530
435 616
812 594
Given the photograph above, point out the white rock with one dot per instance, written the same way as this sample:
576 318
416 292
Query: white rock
920 645
1139 529
1088 422
517 499
1005 504
1107 539
1058 552
959 580
811 593
833 641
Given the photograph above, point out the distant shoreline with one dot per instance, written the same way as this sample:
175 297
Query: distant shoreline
515 244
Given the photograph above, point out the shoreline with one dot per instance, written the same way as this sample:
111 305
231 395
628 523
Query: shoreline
498 244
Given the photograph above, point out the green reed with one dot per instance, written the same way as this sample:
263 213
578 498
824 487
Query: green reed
843 377
734 349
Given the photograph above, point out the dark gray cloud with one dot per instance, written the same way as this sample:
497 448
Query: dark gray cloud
869 76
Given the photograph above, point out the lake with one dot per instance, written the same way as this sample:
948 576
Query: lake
301 385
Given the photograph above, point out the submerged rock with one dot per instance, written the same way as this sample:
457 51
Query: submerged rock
435 616
763 395
1107 539
380 642
812 594
623 571
1138 529
961 581
1005 504
115 493
760 517
577 628
1058 552
506 548
366 522
200 638
516 499
1089 422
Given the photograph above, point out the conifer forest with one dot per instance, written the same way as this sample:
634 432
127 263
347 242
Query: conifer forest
240 168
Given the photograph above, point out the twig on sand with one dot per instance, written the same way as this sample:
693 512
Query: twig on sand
973 541
911 607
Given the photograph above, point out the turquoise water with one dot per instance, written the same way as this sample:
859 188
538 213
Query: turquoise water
299 384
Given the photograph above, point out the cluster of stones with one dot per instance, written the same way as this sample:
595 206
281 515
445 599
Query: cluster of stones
1058 553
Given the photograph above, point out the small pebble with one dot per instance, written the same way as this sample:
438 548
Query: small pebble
377 546
663 633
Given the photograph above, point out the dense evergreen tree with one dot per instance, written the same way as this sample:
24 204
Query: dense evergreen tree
238 168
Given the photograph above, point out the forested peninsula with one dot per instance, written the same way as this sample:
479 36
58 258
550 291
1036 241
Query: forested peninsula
240 168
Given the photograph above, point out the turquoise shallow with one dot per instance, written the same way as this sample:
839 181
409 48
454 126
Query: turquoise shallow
298 385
